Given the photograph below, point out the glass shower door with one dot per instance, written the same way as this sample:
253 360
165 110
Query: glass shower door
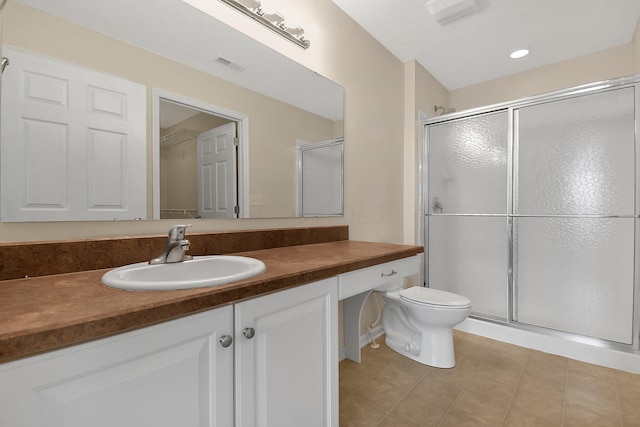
467 210
574 214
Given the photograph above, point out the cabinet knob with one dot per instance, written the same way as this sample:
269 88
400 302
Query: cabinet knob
226 340
249 332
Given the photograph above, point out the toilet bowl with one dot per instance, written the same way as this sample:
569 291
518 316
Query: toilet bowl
418 323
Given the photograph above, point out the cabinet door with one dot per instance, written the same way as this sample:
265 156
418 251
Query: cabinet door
287 373
173 374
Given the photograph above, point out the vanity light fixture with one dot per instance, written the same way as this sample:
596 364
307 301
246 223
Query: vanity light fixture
250 4
520 53
273 21
275 18
296 32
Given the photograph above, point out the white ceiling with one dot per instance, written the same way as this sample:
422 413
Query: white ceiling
476 47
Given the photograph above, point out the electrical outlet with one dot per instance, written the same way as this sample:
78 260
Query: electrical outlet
257 200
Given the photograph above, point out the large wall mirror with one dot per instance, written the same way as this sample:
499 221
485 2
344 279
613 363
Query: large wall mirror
201 81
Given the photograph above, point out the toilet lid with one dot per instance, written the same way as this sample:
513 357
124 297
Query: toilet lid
430 296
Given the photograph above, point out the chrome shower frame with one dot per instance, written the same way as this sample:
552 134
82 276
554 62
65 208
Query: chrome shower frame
512 170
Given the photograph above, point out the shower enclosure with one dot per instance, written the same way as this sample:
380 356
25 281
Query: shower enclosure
531 212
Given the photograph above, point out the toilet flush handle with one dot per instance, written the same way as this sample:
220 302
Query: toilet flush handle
388 274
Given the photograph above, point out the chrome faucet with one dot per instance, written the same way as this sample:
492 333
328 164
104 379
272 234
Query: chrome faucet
177 245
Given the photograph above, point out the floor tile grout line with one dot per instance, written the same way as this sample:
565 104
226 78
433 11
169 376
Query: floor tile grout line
387 413
466 383
566 391
615 383
401 399
524 366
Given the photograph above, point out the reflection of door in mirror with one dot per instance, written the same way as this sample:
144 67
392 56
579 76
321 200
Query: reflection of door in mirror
217 172
73 142
183 192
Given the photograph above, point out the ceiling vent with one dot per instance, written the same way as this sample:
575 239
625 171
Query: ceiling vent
445 11
229 63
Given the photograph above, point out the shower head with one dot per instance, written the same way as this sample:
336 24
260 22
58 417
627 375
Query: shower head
445 110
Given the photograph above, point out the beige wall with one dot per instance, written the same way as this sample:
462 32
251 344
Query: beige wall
422 92
603 65
373 80
635 43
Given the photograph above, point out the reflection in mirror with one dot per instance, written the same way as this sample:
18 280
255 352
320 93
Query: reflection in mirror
195 180
320 178
148 44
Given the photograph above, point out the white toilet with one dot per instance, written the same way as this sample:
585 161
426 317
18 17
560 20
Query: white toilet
418 323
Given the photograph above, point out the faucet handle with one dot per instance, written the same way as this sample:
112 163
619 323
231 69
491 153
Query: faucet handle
177 232
184 246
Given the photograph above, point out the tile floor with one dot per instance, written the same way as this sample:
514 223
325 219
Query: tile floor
493 384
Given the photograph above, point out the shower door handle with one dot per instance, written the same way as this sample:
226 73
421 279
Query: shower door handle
437 206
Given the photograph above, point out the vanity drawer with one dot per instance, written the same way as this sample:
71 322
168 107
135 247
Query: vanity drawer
365 279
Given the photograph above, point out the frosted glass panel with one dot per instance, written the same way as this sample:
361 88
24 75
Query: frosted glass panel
576 156
321 171
468 165
576 275
469 256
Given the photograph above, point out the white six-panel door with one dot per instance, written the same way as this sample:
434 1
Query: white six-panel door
217 172
73 142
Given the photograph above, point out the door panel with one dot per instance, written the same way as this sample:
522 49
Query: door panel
173 374
217 172
467 211
320 179
72 148
576 275
287 373
468 165
469 255
577 156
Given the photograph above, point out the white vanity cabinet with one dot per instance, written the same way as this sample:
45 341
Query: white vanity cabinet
173 374
182 373
354 288
287 358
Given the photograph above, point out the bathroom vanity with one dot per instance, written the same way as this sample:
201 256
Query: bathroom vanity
183 372
262 351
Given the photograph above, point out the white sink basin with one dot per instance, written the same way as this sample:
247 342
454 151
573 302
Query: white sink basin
201 271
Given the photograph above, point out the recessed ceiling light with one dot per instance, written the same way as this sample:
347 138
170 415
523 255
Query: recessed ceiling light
519 53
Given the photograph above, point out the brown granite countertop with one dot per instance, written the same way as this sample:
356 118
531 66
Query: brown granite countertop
44 313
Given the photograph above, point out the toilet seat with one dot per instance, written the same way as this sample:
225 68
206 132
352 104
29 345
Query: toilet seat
434 297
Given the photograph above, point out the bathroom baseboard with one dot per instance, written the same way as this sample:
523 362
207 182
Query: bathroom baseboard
609 357
376 332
